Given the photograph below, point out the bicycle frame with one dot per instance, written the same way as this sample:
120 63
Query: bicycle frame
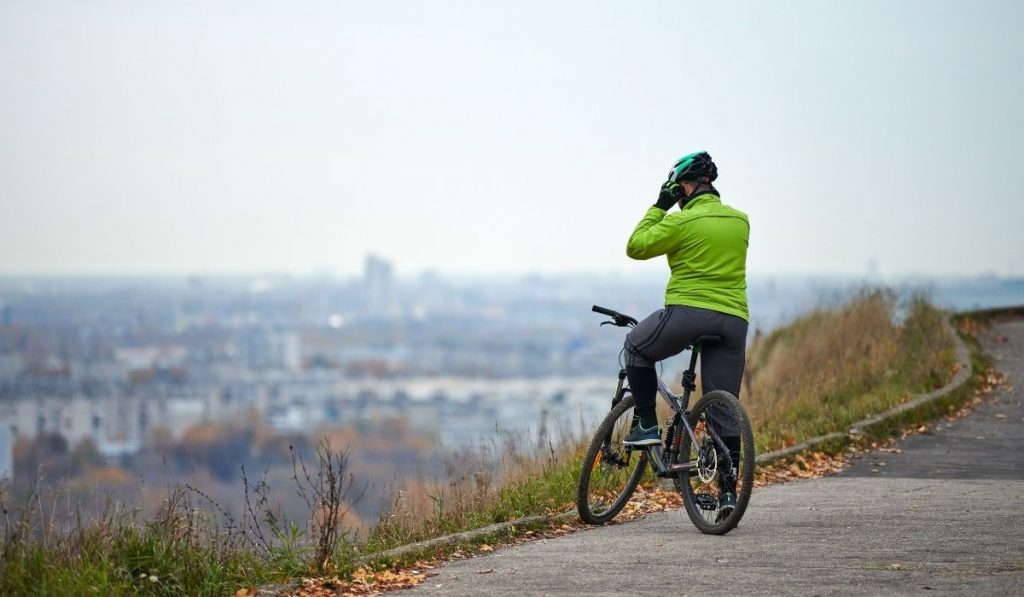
659 455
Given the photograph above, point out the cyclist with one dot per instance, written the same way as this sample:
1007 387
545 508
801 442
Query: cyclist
706 245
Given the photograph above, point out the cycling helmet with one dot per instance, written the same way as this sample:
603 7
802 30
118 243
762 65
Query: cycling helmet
694 167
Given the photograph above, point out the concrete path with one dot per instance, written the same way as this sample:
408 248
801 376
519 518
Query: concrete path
944 516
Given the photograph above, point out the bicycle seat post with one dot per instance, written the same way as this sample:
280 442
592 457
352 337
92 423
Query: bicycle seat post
690 375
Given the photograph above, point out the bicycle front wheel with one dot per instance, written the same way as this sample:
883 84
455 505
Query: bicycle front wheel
717 468
611 471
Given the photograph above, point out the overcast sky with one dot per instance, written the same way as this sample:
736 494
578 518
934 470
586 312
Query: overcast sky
196 136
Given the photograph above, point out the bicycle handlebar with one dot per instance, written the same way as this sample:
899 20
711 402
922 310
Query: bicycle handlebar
617 318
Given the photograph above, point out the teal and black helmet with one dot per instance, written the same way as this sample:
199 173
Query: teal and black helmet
694 167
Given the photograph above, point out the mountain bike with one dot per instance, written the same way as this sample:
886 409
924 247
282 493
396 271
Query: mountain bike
692 453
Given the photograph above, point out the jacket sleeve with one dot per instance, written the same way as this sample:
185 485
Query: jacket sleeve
654 236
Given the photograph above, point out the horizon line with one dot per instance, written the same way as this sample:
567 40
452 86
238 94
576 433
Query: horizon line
405 275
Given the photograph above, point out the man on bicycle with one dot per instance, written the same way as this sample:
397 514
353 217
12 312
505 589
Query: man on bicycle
706 245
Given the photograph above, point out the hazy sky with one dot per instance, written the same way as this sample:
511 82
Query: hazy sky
196 136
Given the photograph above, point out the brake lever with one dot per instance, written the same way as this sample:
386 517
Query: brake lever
623 322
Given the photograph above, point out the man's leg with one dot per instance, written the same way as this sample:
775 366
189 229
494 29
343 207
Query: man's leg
643 381
659 336
722 369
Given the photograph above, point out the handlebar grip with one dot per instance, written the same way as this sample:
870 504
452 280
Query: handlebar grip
604 311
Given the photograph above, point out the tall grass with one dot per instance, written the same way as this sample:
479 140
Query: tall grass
832 368
496 482
192 546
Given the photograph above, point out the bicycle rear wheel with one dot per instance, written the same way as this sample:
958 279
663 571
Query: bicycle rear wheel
701 486
611 471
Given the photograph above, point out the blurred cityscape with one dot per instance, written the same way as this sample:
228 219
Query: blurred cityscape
124 366
122 363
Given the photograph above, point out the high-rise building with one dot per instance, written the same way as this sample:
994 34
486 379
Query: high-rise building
377 284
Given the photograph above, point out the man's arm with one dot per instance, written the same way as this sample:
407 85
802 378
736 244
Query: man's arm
654 236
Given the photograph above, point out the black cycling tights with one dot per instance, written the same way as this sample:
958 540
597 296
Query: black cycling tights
643 381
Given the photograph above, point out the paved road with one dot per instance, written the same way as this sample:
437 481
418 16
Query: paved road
944 516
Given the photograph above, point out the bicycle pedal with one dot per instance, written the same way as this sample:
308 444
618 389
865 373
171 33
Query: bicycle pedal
706 501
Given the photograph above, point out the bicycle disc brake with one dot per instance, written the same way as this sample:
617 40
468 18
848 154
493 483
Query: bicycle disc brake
707 461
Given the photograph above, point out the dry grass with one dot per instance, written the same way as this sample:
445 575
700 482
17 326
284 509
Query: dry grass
495 482
832 368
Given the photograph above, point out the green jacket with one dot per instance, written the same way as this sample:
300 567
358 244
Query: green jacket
706 244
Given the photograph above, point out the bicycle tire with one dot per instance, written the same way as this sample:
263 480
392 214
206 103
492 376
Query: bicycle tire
695 499
592 509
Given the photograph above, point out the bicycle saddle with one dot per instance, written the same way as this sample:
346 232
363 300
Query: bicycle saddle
706 339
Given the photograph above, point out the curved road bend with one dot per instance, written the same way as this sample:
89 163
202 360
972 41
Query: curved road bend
945 516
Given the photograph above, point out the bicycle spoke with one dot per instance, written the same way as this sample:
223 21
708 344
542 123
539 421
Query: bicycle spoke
611 471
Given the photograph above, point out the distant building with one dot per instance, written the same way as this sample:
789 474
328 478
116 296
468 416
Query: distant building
288 350
262 349
377 284
112 421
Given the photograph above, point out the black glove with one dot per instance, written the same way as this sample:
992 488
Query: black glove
670 194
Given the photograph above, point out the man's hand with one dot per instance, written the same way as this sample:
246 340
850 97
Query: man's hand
670 194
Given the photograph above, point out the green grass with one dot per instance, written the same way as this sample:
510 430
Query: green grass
123 557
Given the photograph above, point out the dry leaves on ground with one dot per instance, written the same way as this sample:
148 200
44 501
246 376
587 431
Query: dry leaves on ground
648 500
367 581
802 466
992 380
